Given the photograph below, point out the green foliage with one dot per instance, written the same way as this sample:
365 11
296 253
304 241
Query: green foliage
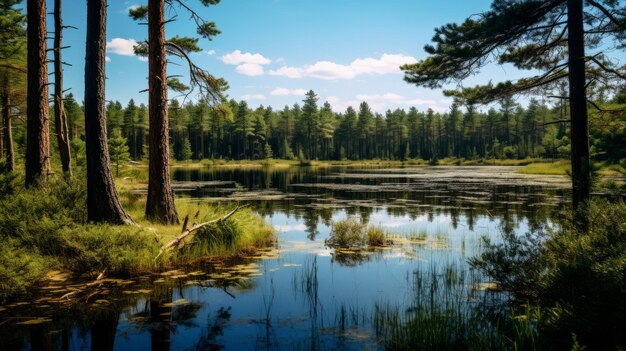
176 85
78 150
138 12
20 267
185 152
45 228
513 262
579 276
118 151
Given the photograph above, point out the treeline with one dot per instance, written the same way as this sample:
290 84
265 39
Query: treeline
313 131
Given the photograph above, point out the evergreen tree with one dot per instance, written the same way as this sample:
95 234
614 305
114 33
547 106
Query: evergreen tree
118 151
530 34
103 203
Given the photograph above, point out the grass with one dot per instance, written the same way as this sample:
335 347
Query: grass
447 311
45 229
561 167
352 233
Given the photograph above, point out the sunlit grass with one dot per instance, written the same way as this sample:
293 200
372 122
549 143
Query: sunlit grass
45 229
561 167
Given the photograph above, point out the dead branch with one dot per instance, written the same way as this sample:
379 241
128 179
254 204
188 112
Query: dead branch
186 232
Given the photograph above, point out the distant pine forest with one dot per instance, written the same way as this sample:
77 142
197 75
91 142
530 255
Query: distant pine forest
311 130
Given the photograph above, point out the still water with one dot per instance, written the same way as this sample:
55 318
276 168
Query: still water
301 294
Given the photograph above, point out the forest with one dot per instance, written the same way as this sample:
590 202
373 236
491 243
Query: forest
314 132
499 220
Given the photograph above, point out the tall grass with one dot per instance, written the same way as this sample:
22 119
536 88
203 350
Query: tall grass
45 229
352 233
448 310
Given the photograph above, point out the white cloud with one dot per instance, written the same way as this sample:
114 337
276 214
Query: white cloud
121 46
382 102
391 98
107 59
386 64
253 97
290 228
237 58
289 72
211 52
329 70
332 99
250 69
285 92
247 63
142 58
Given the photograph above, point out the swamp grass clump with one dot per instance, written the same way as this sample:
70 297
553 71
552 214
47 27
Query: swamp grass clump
352 233
45 229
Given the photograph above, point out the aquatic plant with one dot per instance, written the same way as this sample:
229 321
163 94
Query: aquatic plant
352 233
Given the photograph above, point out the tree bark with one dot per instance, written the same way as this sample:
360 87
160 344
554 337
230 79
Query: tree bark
60 118
160 205
103 203
8 133
581 182
37 130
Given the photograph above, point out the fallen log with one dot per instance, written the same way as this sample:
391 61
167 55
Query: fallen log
195 227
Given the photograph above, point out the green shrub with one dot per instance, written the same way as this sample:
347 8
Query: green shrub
580 276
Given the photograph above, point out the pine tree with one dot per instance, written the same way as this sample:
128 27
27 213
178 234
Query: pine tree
160 204
38 131
60 117
185 152
118 151
531 34
12 72
103 203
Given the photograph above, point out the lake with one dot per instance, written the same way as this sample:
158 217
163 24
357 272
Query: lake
302 294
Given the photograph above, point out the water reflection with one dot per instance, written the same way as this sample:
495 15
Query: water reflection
301 294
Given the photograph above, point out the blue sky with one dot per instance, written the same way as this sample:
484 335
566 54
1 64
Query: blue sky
271 51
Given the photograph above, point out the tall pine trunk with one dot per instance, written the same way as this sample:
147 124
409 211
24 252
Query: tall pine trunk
7 134
581 182
103 203
37 130
60 118
160 204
